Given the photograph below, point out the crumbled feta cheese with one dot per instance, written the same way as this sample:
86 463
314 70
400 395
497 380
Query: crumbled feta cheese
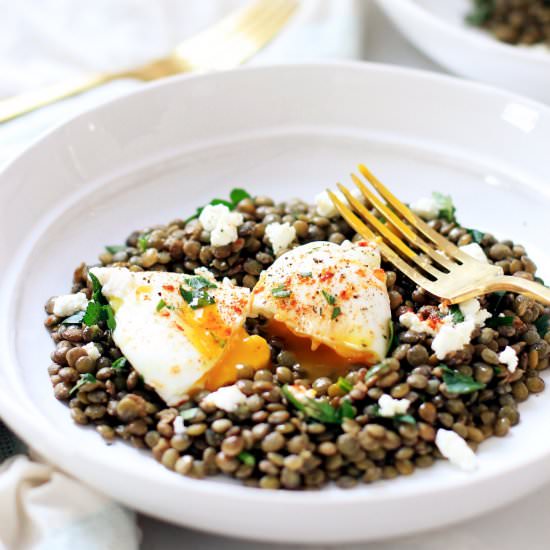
228 398
280 236
451 338
92 350
179 427
475 251
509 357
454 448
426 207
471 309
115 282
221 222
413 322
390 407
324 206
68 304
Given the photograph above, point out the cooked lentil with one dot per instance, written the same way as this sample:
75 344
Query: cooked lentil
283 448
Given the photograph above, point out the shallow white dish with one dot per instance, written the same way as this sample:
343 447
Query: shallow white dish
437 27
284 131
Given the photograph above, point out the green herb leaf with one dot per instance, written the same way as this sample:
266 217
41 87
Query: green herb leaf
199 282
92 316
161 304
120 363
541 324
480 13
392 337
331 300
114 248
247 458
197 298
189 414
335 312
445 206
75 319
319 409
98 308
280 292
344 385
457 315
87 378
459 383
405 418
477 236
97 296
237 195
109 317
143 242
306 274
500 321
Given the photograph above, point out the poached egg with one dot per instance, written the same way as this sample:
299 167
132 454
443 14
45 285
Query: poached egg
181 332
328 298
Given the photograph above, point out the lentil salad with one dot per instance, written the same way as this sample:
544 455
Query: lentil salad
279 441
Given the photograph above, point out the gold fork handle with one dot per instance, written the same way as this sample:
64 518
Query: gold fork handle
19 105
538 292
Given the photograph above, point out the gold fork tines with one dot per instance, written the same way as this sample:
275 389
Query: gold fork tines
225 45
420 252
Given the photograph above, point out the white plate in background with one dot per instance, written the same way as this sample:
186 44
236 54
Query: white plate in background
437 27
284 131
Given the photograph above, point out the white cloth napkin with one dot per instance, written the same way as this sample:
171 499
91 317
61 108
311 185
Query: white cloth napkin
43 41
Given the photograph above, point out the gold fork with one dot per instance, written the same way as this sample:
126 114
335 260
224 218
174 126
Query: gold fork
422 254
225 45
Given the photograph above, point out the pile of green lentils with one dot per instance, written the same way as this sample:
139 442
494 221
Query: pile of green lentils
514 21
269 443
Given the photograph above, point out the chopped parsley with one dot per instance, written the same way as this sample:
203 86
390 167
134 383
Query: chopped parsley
114 248
236 195
481 12
500 321
86 378
280 292
344 384
197 298
319 409
477 236
247 458
120 363
143 242
189 414
331 300
161 304
445 206
541 324
335 312
456 314
98 308
198 282
459 383
75 319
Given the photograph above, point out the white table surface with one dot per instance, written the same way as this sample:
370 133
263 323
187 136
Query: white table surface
523 525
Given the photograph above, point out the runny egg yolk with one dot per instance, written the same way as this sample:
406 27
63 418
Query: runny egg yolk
212 338
315 358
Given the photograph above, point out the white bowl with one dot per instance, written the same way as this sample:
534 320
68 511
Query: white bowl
437 27
283 131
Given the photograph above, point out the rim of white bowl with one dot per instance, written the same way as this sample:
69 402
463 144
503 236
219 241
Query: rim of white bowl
61 452
476 38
